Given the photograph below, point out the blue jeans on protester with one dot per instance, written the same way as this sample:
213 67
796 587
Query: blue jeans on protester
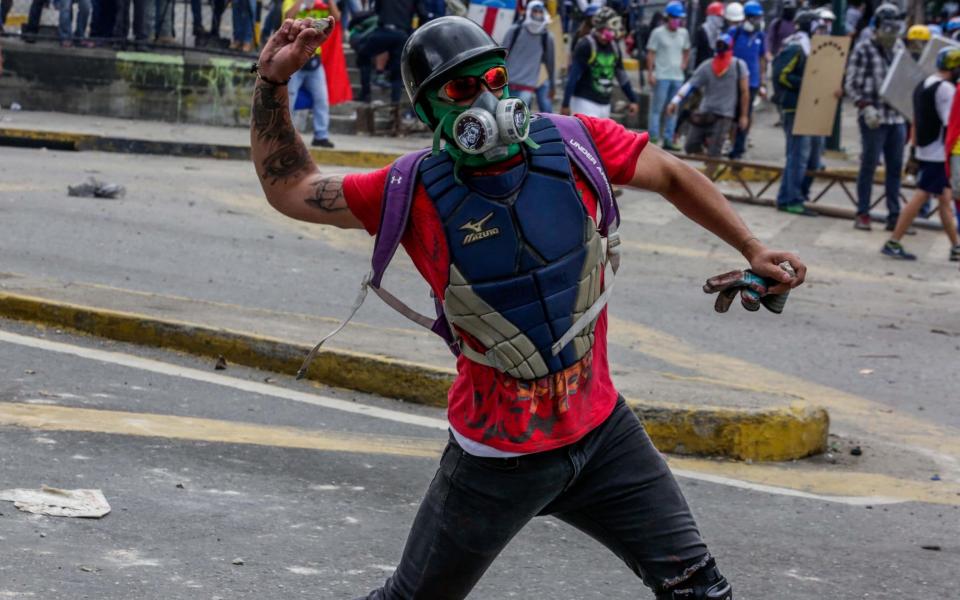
544 103
612 484
66 19
242 22
890 140
817 144
663 91
798 160
315 81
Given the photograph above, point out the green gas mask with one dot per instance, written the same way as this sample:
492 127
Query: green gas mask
487 131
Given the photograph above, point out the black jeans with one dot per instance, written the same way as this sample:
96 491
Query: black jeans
382 40
612 484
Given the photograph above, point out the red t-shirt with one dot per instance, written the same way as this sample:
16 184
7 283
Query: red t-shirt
485 405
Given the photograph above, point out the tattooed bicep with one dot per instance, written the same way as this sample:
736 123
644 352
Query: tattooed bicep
326 193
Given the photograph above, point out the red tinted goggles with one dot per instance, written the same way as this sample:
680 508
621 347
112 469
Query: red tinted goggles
465 88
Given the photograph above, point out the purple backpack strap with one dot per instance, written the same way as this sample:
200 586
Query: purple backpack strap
397 199
583 151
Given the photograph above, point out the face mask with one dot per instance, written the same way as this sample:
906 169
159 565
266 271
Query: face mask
674 22
715 20
607 35
748 26
887 38
490 126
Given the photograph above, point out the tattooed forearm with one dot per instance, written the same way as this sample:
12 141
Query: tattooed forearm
273 127
327 194
270 116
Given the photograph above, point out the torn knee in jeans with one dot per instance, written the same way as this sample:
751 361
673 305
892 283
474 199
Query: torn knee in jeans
700 580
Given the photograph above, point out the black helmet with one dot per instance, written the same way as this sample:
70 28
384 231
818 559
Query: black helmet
805 20
887 12
440 46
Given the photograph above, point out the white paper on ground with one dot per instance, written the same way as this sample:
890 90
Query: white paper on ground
59 503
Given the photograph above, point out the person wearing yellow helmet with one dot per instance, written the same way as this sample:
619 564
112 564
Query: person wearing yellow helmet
916 40
932 101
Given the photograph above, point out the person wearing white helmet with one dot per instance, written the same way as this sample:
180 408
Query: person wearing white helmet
749 45
733 13
827 17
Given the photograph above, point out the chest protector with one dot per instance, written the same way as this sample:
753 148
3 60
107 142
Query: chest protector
526 260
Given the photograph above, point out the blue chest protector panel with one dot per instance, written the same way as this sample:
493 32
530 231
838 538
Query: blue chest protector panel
526 258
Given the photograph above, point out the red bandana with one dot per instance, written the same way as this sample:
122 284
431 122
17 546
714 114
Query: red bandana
721 62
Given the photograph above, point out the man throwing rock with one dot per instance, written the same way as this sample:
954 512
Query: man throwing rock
511 221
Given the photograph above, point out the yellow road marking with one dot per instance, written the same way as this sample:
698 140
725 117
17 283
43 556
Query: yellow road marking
62 418
942 443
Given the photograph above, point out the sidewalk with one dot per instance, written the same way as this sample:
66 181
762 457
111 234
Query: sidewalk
735 425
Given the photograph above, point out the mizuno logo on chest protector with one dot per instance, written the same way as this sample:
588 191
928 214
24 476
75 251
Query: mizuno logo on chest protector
477 232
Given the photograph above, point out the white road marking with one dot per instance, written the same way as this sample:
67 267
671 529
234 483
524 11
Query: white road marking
162 368
780 491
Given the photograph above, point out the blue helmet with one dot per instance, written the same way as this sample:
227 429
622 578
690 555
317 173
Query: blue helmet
952 25
675 9
752 9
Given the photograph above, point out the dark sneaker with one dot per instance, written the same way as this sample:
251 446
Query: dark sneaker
955 253
324 143
670 147
862 222
895 250
798 209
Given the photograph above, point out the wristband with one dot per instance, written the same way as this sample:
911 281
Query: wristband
255 68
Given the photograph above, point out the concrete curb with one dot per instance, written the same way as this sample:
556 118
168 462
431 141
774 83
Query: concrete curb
760 435
55 140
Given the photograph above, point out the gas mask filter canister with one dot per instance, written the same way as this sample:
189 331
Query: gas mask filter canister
489 125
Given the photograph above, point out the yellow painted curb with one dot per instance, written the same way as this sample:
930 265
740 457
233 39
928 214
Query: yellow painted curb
380 375
760 435
361 159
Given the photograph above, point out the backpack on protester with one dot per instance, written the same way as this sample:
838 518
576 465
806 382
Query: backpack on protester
398 195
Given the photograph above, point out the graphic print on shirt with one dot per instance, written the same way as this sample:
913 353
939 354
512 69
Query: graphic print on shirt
603 71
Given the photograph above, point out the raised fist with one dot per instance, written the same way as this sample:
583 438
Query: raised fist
292 46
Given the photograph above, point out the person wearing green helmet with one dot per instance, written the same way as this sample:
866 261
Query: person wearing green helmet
511 221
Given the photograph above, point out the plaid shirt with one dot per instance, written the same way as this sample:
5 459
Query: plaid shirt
865 74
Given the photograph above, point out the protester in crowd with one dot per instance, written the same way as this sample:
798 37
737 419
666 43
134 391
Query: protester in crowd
749 44
5 6
882 128
395 23
851 19
596 67
202 36
788 70
780 28
68 34
529 45
952 28
312 76
165 18
932 101
917 38
705 39
242 12
668 51
144 14
723 84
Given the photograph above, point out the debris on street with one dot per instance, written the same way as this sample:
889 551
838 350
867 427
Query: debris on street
94 188
55 502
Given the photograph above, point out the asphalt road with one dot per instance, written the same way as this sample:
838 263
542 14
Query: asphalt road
193 488
874 340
